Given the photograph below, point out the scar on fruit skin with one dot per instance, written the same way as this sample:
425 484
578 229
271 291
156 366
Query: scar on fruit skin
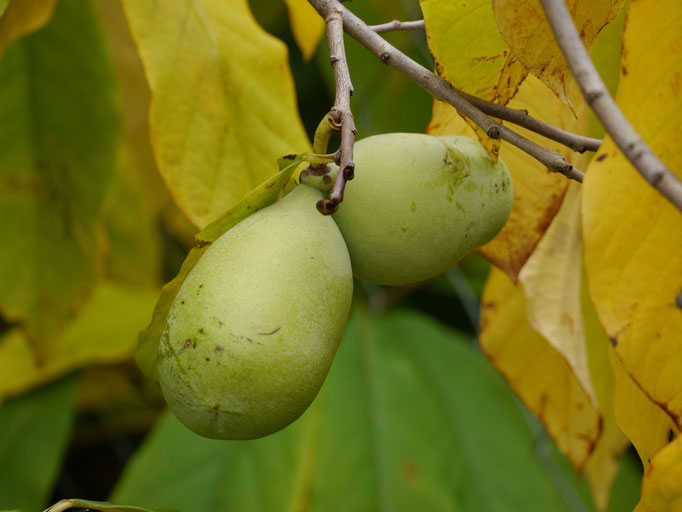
269 333
187 344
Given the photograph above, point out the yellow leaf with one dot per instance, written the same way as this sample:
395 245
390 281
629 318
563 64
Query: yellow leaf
605 461
551 281
537 191
645 423
223 101
23 17
632 235
468 50
524 27
662 482
537 373
306 25
104 332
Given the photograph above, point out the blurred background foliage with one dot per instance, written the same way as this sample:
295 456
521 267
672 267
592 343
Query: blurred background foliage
411 416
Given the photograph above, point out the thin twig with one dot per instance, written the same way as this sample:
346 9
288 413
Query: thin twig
340 113
398 25
441 89
573 141
652 169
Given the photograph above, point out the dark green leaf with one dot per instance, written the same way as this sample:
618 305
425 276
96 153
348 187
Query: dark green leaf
410 418
34 431
58 137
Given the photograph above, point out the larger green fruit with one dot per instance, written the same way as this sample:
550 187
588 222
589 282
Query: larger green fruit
419 203
253 330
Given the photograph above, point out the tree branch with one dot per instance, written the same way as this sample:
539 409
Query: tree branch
441 89
575 142
398 25
652 169
340 113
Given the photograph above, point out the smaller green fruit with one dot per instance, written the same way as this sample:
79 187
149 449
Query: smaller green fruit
253 330
419 203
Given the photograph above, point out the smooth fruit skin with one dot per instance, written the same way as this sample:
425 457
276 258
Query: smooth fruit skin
419 203
253 330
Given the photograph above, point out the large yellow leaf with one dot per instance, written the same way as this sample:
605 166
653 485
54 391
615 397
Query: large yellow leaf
468 50
645 423
104 332
537 373
525 29
223 103
537 191
632 235
551 281
306 25
22 17
662 482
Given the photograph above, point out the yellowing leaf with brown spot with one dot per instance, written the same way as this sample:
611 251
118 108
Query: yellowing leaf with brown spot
645 423
537 191
23 17
632 235
537 373
662 482
525 29
467 47
223 101
551 281
306 25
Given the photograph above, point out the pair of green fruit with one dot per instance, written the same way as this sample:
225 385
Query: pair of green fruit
253 330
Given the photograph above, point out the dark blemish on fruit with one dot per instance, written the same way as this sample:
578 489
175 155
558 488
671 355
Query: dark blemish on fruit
413 206
201 286
218 348
194 344
326 180
678 300
671 435
614 341
187 344
269 333
207 358
220 324
201 331
600 157
182 302
215 409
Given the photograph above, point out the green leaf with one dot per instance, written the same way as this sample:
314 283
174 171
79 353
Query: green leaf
223 100
410 418
264 195
58 137
34 432
99 505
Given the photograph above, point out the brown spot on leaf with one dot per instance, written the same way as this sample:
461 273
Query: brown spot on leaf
187 344
409 472
218 348
269 186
